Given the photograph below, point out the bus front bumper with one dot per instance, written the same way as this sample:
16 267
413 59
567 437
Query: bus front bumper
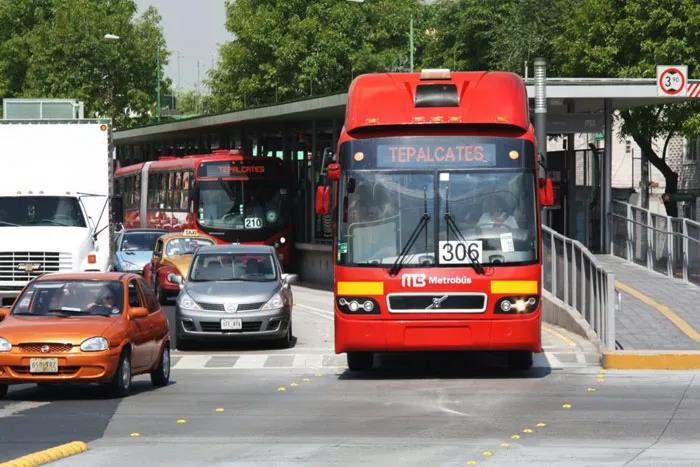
365 335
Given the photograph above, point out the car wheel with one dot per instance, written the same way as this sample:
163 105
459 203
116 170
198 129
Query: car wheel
519 360
162 298
3 391
121 382
161 375
182 344
288 340
360 361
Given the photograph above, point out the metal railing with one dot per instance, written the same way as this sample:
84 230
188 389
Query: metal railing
571 273
668 245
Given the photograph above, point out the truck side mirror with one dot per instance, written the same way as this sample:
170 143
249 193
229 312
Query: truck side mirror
117 208
323 200
546 192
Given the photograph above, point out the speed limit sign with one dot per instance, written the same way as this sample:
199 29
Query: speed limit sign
672 80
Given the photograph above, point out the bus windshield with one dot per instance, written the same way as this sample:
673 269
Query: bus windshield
242 205
485 215
16 211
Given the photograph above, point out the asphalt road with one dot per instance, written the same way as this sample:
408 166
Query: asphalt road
251 405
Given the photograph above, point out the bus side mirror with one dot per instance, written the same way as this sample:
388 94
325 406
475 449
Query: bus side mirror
546 192
323 200
333 171
117 207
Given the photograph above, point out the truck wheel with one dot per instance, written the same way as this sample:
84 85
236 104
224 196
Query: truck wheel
360 361
3 391
161 375
121 382
520 360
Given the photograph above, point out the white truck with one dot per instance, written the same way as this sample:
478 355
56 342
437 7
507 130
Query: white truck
55 192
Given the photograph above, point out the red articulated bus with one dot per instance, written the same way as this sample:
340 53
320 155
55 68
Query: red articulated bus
437 244
225 194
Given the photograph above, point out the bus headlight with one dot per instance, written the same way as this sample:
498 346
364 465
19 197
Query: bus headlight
516 305
358 305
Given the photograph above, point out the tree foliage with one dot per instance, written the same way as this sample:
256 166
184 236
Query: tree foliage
55 48
285 49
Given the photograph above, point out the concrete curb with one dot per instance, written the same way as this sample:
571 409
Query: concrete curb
556 312
47 455
652 359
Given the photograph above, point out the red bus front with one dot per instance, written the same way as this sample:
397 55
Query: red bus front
437 242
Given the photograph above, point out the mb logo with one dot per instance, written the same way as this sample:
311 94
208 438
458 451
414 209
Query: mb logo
413 280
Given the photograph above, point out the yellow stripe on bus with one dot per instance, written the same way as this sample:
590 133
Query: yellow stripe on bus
360 288
514 287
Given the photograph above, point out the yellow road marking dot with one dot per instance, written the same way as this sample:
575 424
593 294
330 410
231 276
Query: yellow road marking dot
219 409
317 374
541 424
566 406
294 385
505 445
135 435
590 389
527 430
488 454
472 462
515 437
181 421
306 380
281 388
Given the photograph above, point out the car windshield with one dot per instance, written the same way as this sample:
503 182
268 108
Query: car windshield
259 267
242 205
139 241
40 211
70 298
185 246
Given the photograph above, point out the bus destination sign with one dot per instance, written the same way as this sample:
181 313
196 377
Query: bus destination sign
232 169
418 156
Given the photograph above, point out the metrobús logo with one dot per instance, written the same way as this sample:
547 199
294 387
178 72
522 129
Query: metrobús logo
421 280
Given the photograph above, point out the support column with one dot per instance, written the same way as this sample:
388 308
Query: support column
606 182
311 182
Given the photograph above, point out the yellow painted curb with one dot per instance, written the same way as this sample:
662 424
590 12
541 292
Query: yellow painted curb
47 455
652 360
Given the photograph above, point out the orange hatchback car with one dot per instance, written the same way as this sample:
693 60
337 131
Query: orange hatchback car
86 327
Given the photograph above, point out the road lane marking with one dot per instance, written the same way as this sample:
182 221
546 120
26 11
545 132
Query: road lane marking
12 409
315 311
48 455
561 336
191 362
680 323
251 361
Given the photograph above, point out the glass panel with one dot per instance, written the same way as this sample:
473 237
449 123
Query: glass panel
76 297
233 267
40 211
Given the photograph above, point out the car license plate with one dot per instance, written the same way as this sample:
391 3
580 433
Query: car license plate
43 365
231 324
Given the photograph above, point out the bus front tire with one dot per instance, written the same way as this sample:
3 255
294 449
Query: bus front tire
520 359
360 361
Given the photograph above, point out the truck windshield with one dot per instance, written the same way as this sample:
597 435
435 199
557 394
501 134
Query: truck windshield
16 211
242 205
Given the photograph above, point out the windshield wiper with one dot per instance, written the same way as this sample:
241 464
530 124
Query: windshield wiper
50 221
451 226
11 224
422 223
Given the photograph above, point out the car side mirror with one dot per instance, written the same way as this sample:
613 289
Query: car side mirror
546 192
138 312
175 279
4 311
290 278
323 200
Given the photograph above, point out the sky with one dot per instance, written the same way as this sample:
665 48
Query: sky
193 31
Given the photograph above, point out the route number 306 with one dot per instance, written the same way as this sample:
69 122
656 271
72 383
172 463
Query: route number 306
456 252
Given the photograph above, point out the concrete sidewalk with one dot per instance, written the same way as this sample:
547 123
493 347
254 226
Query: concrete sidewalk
657 313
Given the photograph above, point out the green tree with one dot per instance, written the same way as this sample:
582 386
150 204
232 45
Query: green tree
285 49
190 102
628 38
55 48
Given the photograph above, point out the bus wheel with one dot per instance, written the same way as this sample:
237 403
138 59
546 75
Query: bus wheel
360 361
520 360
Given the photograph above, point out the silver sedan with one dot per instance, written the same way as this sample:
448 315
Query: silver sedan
234 292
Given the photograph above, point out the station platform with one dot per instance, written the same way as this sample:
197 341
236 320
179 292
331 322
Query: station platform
656 313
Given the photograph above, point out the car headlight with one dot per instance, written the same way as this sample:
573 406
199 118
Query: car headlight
274 303
186 302
94 344
5 345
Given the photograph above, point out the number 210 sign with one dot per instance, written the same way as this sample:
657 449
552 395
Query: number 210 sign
672 80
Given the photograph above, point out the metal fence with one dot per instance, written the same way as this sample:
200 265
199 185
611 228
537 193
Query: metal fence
571 273
668 245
